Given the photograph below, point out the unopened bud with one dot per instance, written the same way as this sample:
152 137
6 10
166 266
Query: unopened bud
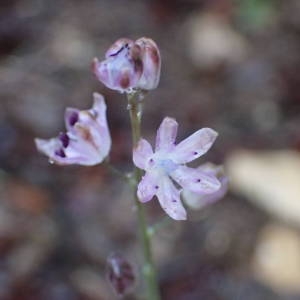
120 274
130 65
120 70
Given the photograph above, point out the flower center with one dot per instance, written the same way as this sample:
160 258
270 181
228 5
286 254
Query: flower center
167 165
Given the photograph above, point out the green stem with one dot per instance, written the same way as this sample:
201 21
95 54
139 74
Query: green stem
135 111
161 224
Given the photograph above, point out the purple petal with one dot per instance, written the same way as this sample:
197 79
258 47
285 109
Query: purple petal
90 137
118 46
169 199
141 154
195 180
151 64
100 129
99 108
194 146
53 149
81 153
48 147
147 187
197 201
166 135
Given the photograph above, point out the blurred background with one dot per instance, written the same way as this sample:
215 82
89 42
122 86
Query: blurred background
230 65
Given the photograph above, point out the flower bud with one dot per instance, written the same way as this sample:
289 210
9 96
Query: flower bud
130 65
122 68
120 274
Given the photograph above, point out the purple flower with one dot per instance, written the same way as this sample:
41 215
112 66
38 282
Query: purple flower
198 200
130 65
168 162
87 140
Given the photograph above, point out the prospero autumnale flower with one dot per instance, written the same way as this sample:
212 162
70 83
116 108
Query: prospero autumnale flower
130 65
168 164
87 140
198 200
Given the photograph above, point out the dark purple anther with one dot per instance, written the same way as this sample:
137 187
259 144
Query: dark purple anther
73 118
60 152
64 138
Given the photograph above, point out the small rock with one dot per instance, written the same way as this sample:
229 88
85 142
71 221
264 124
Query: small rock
277 258
269 179
90 284
212 41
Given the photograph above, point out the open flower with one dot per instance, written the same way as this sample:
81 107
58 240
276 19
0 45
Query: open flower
197 200
87 140
130 65
168 162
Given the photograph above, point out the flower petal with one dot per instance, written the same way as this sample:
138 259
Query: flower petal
147 187
194 146
100 129
57 154
195 180
169 198
166 135
151 64
198 201
48 147
141 154
83 153
99 107
71 118
118 46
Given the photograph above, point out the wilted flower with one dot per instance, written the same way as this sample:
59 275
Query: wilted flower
130 65
168 161
87 140
197 200
120 274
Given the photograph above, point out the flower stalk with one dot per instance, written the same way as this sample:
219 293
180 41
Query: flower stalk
152 290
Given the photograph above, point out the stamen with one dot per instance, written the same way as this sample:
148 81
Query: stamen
60 152
63 137
73 118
